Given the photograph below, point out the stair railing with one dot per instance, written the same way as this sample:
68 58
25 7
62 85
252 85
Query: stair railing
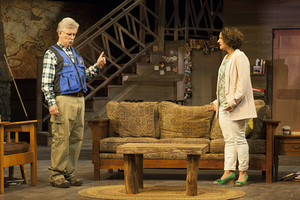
117 37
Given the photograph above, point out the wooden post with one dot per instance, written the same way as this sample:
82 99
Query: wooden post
1 159
39 93
130 174
186 32
192 174
161 25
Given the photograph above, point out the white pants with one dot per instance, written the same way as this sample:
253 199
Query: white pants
236 146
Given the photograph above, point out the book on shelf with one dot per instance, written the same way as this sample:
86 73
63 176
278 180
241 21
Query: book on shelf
295 132
260 66
258 90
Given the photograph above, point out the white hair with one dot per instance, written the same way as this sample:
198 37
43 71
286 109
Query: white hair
67 23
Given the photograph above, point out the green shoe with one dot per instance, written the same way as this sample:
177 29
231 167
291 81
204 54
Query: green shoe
229 179
241 183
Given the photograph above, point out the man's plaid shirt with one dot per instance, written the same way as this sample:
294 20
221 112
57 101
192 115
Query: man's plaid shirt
50 61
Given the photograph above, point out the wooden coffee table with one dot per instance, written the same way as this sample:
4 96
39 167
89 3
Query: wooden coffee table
288 145
133 162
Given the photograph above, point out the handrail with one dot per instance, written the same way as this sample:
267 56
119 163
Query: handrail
109 24
97 24
120 70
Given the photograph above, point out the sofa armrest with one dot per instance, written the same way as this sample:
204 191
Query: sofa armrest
99 128
271 126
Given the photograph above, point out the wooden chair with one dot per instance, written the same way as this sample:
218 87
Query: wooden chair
18 158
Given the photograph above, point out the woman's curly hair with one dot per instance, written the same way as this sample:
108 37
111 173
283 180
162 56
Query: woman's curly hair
232 37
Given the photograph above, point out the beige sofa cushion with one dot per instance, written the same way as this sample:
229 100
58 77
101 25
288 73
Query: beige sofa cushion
138 119
177 121
256 146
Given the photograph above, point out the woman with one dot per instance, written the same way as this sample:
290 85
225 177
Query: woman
234 105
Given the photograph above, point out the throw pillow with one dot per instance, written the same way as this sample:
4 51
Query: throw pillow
215 132
137 119
263 112
249 126
114 123
177 121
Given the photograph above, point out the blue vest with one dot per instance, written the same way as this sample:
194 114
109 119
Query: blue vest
69 76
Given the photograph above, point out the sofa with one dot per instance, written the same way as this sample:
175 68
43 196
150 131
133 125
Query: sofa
167 122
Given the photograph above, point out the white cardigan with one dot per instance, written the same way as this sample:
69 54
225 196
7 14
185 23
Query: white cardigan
238 87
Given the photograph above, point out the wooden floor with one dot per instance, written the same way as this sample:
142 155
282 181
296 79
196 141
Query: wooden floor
256 188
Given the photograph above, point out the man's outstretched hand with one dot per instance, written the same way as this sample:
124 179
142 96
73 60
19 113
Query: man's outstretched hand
101 60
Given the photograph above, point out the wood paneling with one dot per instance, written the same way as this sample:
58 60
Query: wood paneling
257 19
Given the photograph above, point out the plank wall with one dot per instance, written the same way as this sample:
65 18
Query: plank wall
257 19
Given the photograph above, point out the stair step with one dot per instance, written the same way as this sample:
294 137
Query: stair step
143 67
173 78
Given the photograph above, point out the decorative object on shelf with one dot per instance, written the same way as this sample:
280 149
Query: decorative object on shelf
286 130
295 132
260 66
206 49
172 56
175 69
193 43
189 93
162 72
207 46
161 64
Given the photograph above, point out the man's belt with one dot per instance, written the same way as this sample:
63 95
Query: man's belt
75 94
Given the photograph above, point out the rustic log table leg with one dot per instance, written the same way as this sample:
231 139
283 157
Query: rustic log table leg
139 171
192 174
130 174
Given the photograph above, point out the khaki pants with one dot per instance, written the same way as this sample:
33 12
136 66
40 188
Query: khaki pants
67 132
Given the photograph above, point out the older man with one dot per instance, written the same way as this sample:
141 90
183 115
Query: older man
64 83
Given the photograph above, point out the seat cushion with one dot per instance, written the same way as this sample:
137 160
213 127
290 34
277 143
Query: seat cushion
110 144
15 147
207 156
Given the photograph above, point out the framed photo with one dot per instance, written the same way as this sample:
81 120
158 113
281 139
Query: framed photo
256 69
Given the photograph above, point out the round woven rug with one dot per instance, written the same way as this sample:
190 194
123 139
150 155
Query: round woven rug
160 192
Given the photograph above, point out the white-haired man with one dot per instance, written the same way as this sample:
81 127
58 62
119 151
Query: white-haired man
64 83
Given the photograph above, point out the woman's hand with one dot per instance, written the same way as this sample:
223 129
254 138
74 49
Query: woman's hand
228 108
214 107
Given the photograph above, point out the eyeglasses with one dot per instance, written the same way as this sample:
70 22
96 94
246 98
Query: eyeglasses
70 34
